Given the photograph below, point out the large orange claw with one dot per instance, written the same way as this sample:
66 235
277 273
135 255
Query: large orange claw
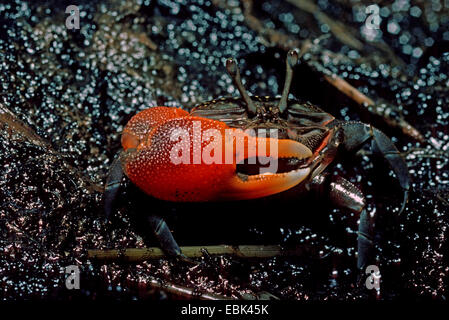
179 157
142 123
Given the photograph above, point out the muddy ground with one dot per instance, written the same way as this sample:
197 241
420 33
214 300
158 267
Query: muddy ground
67 94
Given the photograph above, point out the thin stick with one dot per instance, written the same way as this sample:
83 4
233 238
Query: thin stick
10 122
185 292
243 251
189 293
368 104
270 36
339 30
9 119
344 34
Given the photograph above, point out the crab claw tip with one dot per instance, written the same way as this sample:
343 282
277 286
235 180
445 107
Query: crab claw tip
262 185
293 149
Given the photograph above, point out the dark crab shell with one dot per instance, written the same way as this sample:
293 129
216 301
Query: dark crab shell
303 122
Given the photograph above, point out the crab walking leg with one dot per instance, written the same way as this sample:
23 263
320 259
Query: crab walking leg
364 241
157 224
112 187
347 196
165 237
357 134
340 192
382 145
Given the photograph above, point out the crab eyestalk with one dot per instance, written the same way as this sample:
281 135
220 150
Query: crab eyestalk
234 72
291 61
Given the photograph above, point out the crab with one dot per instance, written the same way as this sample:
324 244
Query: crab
164 148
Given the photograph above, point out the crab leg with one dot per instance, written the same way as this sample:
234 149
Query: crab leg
165 237
158 225
112 187
345 195
357 134
364 240
339 191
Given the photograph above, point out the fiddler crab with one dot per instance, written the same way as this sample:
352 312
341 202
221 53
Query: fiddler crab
159 143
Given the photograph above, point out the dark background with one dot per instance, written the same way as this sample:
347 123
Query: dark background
66 95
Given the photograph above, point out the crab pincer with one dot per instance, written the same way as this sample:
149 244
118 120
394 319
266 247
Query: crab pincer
173 156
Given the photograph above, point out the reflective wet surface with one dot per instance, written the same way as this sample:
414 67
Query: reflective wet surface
67 94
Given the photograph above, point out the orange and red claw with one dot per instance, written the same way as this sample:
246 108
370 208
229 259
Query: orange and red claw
166 167
242 187
262 185
261 147
141 124
168 163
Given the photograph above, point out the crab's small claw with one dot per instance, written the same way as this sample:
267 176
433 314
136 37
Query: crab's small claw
191 158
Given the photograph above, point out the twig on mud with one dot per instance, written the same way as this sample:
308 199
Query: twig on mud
369 105
144 39
338 29
366 103
185 292
343 34
13 125
242 251
271 36
443 200
189 293
195 293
